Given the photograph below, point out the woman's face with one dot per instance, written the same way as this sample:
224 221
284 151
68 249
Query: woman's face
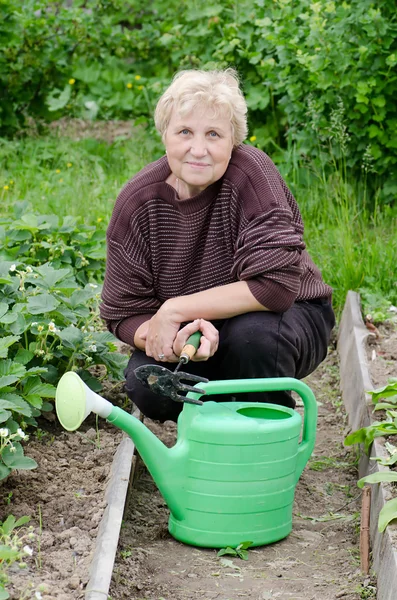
198 149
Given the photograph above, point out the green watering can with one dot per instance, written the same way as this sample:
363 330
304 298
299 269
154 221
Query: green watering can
232 473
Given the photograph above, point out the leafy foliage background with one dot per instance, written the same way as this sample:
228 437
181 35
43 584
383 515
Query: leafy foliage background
319 74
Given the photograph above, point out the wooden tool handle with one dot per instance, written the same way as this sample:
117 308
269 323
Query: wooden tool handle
191 346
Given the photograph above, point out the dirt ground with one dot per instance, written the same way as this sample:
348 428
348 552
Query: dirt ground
382 354
318 560
64 497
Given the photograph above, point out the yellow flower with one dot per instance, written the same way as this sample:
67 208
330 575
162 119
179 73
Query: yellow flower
253 138
69 165
137 77
11 182
129 85
6 187
72 81
99 219
140 87
58 171
60 181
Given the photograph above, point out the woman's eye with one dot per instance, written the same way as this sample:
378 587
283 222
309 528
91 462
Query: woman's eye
185 132
213 134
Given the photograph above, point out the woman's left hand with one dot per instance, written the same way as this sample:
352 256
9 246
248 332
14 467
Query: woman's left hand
160 337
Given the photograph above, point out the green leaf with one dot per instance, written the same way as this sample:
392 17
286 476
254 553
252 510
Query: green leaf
16 459
23 356
384 405
15 403
245 545
3 308
71 337
242 553
10 372
22 521
366 435
5 343
377 478
35 386
387 514
227 550
9 554
4 415
387 391
57 102
8 525
42 303
50 276
80 297
4 472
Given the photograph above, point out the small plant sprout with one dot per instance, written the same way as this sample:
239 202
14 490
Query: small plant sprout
240 550
13 548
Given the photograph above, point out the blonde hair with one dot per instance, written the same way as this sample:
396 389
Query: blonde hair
218 91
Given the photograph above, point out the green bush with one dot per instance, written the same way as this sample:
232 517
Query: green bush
318 74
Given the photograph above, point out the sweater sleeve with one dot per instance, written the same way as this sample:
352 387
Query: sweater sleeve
269 245
268 257
128 295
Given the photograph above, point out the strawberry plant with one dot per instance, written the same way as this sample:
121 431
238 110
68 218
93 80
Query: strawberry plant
49 322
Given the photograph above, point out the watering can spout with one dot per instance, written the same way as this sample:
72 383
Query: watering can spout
75 401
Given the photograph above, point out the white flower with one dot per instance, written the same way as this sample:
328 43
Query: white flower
51 327
28 550
92 348
34 323
13 449
13 268
93 285
91 328
38 596
21 433
29 270
4 432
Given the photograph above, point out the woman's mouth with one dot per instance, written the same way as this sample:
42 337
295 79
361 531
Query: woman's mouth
197 165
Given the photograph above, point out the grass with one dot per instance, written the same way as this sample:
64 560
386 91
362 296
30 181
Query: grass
68 177
354 247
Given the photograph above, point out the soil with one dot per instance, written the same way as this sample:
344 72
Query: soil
64 497
319 559
382 353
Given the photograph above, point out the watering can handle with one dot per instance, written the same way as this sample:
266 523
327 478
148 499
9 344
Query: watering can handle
275 384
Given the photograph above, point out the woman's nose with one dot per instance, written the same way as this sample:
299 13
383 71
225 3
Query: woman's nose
198 148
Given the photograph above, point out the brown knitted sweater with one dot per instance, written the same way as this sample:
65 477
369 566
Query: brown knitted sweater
245 226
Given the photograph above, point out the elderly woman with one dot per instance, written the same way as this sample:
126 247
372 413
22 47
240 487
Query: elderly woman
209 238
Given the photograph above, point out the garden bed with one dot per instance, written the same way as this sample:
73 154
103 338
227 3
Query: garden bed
65 498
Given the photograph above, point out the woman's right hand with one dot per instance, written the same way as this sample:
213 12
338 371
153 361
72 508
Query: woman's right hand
208 343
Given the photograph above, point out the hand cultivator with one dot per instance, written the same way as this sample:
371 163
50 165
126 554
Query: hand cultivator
164 382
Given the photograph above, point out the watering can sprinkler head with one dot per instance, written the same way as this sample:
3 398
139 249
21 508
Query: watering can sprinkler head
74 401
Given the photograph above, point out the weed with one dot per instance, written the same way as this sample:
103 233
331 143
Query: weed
38 560
241 550
327 462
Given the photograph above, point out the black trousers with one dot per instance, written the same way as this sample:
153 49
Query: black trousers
257 344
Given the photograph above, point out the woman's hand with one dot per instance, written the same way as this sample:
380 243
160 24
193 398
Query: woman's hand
160 336
208 343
